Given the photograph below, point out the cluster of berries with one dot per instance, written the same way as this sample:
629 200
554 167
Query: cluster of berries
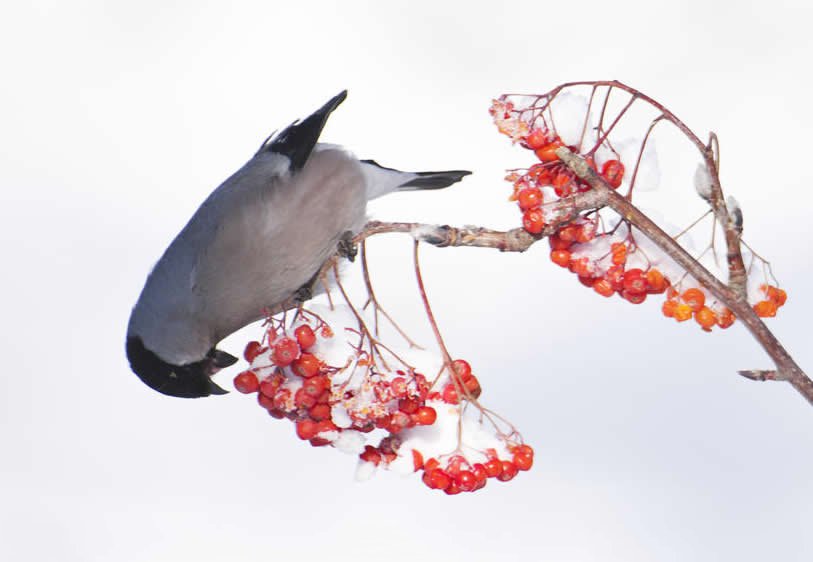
456 473
292 382
692 303
293 372
774 298
600 260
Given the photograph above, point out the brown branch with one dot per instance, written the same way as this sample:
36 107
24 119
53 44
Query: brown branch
787 369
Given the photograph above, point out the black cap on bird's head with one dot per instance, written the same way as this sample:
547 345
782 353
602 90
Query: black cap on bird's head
192 380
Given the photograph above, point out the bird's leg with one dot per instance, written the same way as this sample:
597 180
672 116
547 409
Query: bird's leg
305 292
346 248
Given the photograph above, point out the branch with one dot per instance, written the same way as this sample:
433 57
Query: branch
732 297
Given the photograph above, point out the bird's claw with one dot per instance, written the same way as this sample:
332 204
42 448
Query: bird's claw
347 248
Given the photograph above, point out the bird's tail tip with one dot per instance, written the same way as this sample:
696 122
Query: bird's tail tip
434 180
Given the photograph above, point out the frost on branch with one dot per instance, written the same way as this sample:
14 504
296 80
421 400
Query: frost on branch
327 370
607 252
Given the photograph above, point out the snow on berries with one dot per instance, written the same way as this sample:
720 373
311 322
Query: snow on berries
316 373
602 250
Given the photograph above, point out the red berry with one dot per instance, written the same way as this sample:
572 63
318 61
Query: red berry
466 481
562 184
450 394
305 336
304 400
523 457
568 233
615 275
480 474
319 412
425 415
281 398
537 138
252 350
316 386
509 470
452 489
473 387
557 243
306 429
417 460
326 425
635 281
634 298
270 385
285 351
371 454
246 382
408 405
533 221
266 402
306 365
547 152
560 257
613 172
529 198
462 369
438 479
493 468
586 232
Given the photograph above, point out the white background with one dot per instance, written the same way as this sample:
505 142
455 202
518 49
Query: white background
118 118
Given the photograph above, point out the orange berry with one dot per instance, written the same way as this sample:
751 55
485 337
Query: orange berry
765 309
695 298
774 294
669 307
706 318
725 319
619 251
657 282
683 312
603 287
547 153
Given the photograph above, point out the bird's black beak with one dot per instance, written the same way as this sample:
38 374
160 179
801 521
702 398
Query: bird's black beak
192 380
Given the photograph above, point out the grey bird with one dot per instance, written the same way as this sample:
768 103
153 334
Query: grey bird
261 236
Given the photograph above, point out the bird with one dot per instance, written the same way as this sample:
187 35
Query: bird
256 240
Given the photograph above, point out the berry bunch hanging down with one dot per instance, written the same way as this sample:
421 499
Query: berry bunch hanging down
606 251
326 371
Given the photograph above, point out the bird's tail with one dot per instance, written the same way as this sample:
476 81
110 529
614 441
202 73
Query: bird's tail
434 180
382 180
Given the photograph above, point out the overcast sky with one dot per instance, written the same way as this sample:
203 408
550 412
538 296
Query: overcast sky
118 118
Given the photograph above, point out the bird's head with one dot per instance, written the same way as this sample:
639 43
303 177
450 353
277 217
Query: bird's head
191 380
